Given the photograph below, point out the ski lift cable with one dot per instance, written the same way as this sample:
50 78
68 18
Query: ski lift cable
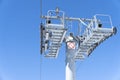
41 41
41 67
41 9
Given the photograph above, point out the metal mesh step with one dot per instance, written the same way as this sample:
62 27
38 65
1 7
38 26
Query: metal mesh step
57 35
92 41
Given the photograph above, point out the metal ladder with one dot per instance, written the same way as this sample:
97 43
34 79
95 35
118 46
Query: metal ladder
58 33
92 40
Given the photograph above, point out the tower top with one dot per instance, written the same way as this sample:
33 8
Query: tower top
91 33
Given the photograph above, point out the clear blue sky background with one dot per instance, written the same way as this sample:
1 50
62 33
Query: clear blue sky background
19 41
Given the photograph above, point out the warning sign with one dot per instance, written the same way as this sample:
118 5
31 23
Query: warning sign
71 45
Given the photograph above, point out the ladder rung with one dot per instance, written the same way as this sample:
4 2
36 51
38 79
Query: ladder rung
54 28
82 50
57 34
53 48
56 46
50 55
56 40
53 51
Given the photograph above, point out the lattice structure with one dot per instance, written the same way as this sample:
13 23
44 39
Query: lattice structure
54 33
56 39
91 33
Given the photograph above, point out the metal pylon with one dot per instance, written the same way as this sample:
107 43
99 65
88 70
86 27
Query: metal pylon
53 33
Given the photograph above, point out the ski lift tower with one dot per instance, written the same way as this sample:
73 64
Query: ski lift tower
92 32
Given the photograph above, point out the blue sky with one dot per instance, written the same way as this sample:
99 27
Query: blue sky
19 41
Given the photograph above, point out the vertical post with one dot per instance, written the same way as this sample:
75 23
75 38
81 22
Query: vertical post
70 61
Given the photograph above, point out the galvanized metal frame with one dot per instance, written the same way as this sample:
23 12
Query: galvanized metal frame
93 34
